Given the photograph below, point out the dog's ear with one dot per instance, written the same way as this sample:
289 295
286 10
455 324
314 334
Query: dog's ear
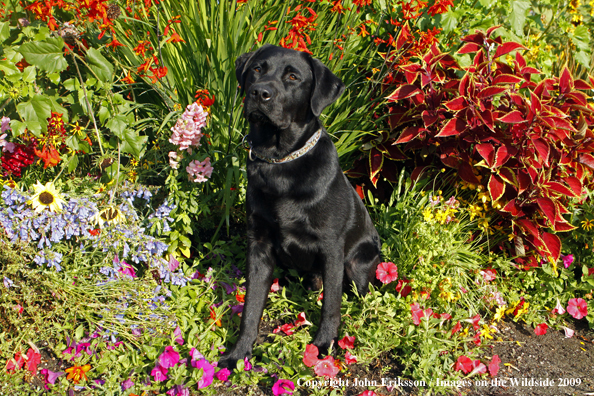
242 65
327 87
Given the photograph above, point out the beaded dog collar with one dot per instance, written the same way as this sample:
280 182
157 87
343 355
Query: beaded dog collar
293 156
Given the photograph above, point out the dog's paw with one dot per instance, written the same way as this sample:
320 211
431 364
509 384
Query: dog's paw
323 345
227 361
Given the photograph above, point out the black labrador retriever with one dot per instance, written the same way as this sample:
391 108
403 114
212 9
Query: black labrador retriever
301 210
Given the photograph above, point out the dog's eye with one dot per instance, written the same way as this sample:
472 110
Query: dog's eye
257 69
293 77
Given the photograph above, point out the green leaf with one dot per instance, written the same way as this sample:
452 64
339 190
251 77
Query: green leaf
72 84
73 163
117 125
8 67
29 74
133 143
38 109
46 55
583 57
4 31
581 39
449 20
100 65
517 17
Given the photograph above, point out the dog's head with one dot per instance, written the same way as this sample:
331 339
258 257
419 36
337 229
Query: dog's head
284 86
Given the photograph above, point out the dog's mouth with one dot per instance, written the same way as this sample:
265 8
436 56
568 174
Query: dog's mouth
258 116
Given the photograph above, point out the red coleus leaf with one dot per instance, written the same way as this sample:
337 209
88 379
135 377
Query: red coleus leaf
535 105
403 92
457 104
429 118
487 151
392 152
503 154
514 117
513 208
563 226
529 70
542 147
520 59
376 161
477 38
417 172
403 36
587 159
464 83
505 173
565 81
529 226
574 184
465 170
490 31
496 187
507 79
490 91
547 206
583 85
494 365
560 188
453 127
553 245
506 48
469 48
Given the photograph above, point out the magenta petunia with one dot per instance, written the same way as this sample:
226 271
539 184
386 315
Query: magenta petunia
222 374
283 387
326 367
49 377
577 307
169 358
178 390
207 372
127 384
178 336
567 260
159 373
247 366
386 272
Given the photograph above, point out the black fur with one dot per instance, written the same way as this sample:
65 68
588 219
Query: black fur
302 214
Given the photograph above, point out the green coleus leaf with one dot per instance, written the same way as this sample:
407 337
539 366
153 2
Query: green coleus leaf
46 55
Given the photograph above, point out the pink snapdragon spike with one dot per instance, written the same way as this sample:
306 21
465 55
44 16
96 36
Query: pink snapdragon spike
347 342
310 357
159 373
187 130
199 172
568 332
169 358
207 372
494 365
350 359
567 260
558 308
577 307
283 387
541 329
326 367
386 272
49 377
174 159
222 374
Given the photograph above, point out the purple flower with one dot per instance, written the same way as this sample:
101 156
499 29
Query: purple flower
5 124
283 386
173 263
178 390
247 364
208 372
7 282
228 288
49 377
169 358
567 260
236 309
159 373
178 336
223 374
127 384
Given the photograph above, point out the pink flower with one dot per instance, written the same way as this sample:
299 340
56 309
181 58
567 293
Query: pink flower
33 359
195 355
169 358
200 171
463 363
178 336
475 322
478 367
127 269
577 308
347 342
326 367
5 124
350 359
310 357
127 384
301 321
174 159
207 372
489 274
49 377
568 332
287 328
558 308
222 374
275 286
567 260
178 390
186 131
282 387
159 373
494 365
368 393
7 146
386 272
247 366
456 328
541 329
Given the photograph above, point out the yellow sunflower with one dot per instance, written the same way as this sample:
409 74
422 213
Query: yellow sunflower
111 215
46 197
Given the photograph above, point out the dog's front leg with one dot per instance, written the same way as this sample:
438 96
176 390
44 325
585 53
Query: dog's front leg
332 275
260 265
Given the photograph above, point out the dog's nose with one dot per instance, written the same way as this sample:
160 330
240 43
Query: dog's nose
262 93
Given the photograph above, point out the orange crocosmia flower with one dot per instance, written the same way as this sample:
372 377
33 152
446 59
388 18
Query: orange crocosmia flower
440 7
240 297
50 157
203 99
213 316
142 47
128 79
114 44
76 373
337 6
175 38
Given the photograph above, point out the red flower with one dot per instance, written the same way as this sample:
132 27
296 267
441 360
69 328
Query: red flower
577 308
287 328
301 321
33 359
350 359
20 157
489 274
326 367
50 156
347 342
275 287
128 79
440 7
403 287
475 322
541 329
240 297
114 44
494 365
463 363
310 357
386 272
456 328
